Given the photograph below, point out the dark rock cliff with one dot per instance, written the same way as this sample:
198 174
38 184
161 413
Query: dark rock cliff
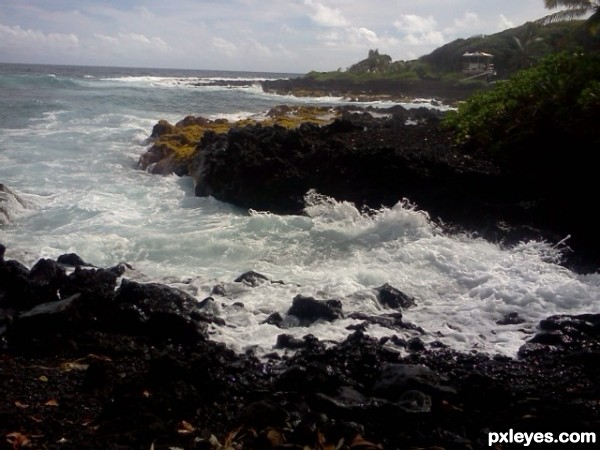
376 162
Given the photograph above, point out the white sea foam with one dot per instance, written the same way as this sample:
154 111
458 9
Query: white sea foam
462 286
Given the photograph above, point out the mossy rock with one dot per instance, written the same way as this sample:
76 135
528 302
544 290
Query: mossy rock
174 146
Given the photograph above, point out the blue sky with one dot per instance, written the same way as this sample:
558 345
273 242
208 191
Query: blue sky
259 35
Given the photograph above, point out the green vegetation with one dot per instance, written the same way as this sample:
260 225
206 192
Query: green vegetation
514 49
550 101
559 97
398 70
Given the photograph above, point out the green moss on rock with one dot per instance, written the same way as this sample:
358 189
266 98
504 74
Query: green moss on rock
174 146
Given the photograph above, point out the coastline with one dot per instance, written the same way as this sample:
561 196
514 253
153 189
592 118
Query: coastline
375 157
132 367
448 93
111 363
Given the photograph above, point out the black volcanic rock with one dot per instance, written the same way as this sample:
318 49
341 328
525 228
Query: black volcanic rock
379 161
361 159
71 259
309 310
393 298
158 311
252 278
133 368
371 89
22 288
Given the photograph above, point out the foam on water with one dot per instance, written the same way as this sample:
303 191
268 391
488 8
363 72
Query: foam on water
74 157
462 285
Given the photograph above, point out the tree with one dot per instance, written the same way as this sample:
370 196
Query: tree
527 46
574 9
375 63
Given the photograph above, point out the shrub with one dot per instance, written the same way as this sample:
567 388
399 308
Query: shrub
554 102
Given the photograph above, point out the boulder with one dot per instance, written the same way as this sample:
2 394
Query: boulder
392 321
45 325
71 259
158 311
309 310
290 342
252 278
161 128
47 271
574 333
21 290
393 298
14 283
96 286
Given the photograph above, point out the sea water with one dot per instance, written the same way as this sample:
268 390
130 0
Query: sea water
70 138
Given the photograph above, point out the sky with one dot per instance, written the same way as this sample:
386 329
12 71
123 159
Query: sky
286 36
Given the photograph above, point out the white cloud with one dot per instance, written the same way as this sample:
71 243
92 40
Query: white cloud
367 34
283 51
363 36
135 48
136 38
108 39
286 35
224 46
17 37
468 20
419 30
258 48
133 41
413 24
357 38
325 16
504 23
329 38
431 38
286 29
144 12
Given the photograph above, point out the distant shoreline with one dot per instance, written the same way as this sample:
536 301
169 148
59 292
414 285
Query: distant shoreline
373 90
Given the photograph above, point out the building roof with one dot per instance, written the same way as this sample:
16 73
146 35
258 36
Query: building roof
478 54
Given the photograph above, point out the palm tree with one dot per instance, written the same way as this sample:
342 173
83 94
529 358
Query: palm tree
574 9
527 42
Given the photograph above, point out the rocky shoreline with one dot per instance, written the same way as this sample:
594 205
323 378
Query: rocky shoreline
373 90
377 157
91 359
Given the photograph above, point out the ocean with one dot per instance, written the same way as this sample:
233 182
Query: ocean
70 138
